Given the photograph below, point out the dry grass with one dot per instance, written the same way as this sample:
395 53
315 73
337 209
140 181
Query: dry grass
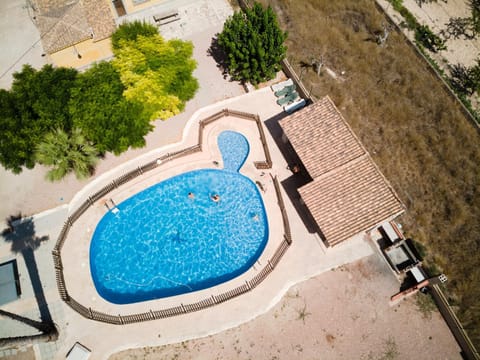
412 128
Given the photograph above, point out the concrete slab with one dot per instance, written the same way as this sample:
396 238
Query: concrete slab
19 40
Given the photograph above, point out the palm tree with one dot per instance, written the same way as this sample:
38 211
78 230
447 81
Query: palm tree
66 153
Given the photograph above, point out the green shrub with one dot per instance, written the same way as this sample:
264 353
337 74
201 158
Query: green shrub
98 107
156 73
131 31
410 19
428 39
397 4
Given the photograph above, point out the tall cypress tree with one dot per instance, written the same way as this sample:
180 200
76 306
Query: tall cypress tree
254 44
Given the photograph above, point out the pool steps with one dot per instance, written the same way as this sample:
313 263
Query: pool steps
112 207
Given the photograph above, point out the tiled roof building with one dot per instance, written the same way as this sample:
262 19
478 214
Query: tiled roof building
63 23
348 193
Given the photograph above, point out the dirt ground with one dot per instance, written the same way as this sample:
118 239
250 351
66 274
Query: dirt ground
342 314
436 15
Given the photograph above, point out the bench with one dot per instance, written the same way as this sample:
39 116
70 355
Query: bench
166 17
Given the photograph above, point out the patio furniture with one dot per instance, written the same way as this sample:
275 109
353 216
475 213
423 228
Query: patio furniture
166 17
287 99
285 91
294 106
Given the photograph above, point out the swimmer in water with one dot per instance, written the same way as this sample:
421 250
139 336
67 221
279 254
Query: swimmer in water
216 198
191 195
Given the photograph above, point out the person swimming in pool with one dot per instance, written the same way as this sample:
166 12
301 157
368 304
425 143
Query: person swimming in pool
216 197
191 195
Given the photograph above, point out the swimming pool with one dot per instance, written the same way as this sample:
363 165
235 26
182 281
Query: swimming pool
174 238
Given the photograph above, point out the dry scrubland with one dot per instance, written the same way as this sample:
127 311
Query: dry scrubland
413 130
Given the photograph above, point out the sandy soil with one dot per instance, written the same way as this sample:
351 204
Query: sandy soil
436 15
342 314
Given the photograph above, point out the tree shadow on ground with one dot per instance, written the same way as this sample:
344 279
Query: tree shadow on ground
21 235
217 53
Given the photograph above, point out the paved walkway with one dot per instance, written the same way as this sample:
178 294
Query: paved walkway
43 230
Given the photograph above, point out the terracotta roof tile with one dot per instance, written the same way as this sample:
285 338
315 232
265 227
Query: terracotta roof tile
61 26
100 18
63 23
348 193
321 137
350 199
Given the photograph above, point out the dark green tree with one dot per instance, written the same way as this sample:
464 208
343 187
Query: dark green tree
465 80
104 115
254 44
36 104
131 31
13 146
462 79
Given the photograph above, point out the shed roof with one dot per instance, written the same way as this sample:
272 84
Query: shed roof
63 23
350 199
321 137
348 193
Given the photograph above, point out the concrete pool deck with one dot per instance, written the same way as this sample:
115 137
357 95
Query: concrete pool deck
305 258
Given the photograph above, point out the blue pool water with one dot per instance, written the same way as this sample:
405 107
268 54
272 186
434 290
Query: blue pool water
163 242
234 148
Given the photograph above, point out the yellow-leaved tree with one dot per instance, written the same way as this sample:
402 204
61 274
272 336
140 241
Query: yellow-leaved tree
155 72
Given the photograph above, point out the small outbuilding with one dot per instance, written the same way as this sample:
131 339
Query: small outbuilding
348 194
